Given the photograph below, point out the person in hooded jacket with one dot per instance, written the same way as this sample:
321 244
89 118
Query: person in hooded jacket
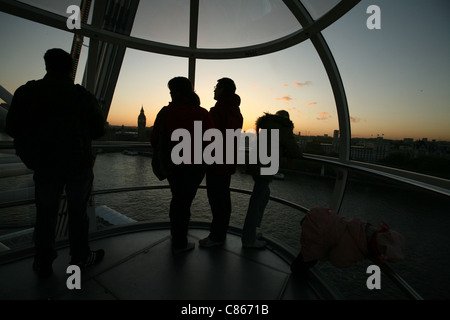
226 114
261 190
185 178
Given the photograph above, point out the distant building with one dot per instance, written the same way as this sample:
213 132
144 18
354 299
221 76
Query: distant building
142 120
336 134
408 140
335 141
370 150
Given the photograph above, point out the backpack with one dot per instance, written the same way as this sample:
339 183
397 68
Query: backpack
64 136
26 141
27 149
161 152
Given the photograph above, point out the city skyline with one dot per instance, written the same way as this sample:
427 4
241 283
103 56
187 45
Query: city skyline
298 133
395 78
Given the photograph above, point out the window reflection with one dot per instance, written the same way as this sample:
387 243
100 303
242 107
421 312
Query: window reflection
412 212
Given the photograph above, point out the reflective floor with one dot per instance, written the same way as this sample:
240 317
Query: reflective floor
139 265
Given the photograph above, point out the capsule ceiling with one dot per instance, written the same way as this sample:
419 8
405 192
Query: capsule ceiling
210 29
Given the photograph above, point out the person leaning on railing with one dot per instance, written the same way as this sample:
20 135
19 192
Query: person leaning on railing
288 148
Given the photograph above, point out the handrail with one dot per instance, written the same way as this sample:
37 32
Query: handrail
400 282
423 181
153 187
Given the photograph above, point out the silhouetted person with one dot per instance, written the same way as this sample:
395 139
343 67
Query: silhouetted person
184 178
226 115
289 148
60 119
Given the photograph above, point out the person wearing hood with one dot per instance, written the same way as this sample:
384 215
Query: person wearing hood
184 178
226 114
261 190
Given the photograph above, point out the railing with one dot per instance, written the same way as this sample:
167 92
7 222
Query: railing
434 184
431 183
403 285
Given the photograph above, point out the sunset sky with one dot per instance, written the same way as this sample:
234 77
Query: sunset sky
397 78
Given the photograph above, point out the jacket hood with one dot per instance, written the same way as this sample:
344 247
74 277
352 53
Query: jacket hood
268 121
229 103
182 107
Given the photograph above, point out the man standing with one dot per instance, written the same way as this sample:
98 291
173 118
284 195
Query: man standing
55 121
226 115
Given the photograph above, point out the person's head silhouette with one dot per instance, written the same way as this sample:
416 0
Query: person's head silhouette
58 61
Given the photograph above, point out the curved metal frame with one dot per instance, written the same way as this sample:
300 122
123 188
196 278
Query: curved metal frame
337 86
311 29
57 21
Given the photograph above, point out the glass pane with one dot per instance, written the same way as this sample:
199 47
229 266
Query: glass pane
396 81
420 216
318 8
151 21
237 23
163 21
142 83
16 184
305 183
293 79
23 59
117 169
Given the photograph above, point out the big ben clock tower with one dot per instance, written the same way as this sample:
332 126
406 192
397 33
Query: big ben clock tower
141 125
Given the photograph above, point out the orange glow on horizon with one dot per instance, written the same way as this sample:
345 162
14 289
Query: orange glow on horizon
249 124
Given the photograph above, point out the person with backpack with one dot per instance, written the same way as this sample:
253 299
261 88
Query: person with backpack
184 176
53 122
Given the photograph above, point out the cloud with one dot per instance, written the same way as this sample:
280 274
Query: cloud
311 103
324 116
285 85
356 120
285 98
299 84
